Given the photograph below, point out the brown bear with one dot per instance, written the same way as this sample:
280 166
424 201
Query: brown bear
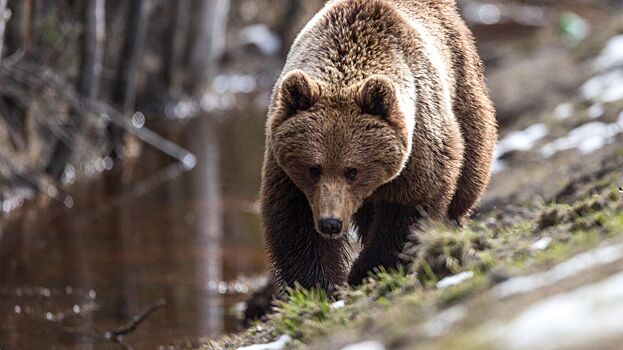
381 116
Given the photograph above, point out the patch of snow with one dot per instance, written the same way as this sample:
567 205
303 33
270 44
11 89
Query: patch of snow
586 138
595 111
542 243
612 55
564 111
577 264
365 345
276 345
263 38
454 280
576 319
605 87
522 140
440 324
338 305
498 166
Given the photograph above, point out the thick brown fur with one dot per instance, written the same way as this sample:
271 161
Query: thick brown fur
341 143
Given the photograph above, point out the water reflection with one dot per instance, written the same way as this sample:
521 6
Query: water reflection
194 241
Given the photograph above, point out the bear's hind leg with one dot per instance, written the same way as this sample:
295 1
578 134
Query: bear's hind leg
476 116
385 240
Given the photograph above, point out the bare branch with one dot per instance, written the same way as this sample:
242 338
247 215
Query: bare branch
38 77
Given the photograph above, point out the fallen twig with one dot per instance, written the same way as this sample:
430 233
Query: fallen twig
116 335
136 320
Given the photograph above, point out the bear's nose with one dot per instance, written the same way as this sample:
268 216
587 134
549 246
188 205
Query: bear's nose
330 226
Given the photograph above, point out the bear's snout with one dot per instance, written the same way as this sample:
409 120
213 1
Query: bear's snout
330 226
332 207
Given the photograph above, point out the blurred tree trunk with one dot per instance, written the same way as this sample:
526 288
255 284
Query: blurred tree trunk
4 17
177 40
209 41
125 89
20 25
92 52
124 95
289 19
92 48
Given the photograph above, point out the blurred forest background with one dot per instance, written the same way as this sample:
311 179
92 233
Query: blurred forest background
131 139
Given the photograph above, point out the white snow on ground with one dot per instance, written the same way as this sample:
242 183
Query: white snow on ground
441 323
586 138
498 165
612 54
338 305
276 345
564 111
575 319
454 280
579 263
522 140
608 85
596 111
542 243
366 345
605 87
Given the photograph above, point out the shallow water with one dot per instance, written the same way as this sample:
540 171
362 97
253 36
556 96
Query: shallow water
194 241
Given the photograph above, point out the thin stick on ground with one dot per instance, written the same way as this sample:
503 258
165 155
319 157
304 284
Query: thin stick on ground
136 320
116 335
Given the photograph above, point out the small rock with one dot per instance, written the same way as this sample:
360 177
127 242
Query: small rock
499 276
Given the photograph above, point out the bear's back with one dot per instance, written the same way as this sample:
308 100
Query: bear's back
349 40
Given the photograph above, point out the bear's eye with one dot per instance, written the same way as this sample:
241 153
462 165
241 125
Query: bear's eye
351 174
315 172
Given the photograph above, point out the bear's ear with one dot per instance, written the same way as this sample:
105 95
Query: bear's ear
377 96
297 92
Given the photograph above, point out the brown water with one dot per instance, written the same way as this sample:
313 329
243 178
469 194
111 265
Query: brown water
191 241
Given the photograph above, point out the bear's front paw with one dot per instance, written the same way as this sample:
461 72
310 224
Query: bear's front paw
357 275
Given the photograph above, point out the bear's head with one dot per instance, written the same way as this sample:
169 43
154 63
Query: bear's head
337 145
